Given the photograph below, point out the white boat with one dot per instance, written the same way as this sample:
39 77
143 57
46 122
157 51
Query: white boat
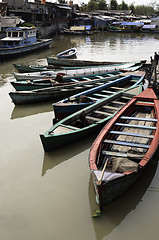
75 72
69 53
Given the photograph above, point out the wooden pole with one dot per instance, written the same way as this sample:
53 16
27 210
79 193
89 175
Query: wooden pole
100 180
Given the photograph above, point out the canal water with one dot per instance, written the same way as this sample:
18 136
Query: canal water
51 196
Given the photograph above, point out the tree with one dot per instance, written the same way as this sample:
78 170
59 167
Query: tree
132 7
62 1
113 5
92 5
124 6
102 5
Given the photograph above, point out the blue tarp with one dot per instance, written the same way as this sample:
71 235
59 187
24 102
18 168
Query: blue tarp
149 26
132 24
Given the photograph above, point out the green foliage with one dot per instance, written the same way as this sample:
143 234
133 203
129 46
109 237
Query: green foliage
62 1
92 5
144 10
124 6
113 5
102 5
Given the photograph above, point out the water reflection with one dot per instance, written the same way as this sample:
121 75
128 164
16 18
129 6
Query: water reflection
56 157
21 111
114 213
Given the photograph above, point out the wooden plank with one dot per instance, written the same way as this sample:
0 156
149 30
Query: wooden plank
85 78
118 88
126 143
94 99
106 91
100 95
100 77
103 113
132 134
122 154
139 119
117 102
110 107
135 126
93 118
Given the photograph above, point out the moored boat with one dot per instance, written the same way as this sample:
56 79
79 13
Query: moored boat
85 121
78 62
69 53
61 81
21 40
23 68
124 147
76 102
78 72
52 93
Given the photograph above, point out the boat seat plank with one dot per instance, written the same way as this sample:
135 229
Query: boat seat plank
139 119
135 126
122 154
103 113
100 77
93 118
110 107
117 88
106 91
126 143
85 78
110 75
74 80
117 102
92 98
132 134
100 95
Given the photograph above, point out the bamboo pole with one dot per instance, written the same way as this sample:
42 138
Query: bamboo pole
100 179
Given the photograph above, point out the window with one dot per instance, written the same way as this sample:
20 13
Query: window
20 34
15 34
9 34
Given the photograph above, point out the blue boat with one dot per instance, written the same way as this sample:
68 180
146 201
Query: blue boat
69 53
21 40
83 99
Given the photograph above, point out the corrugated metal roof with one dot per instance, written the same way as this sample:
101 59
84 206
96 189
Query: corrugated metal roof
64 7
149 26
132 24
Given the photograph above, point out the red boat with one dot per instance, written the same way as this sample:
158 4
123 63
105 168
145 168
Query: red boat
125 146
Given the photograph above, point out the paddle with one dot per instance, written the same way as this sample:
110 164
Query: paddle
100 179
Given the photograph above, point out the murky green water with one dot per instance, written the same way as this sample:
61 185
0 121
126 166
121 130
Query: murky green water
51 196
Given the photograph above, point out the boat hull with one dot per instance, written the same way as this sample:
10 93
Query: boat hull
119 141
9 52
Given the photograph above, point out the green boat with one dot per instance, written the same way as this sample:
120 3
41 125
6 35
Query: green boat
87 120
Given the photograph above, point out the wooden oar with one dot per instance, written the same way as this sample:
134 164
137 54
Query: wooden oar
100 180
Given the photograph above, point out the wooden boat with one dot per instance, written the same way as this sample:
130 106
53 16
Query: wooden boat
125 146
76 102
69 53
84 122
23 68
45 83
75 72
52 93
21 40
77 62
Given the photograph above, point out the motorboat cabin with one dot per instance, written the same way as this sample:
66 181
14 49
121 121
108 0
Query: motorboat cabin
18 37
